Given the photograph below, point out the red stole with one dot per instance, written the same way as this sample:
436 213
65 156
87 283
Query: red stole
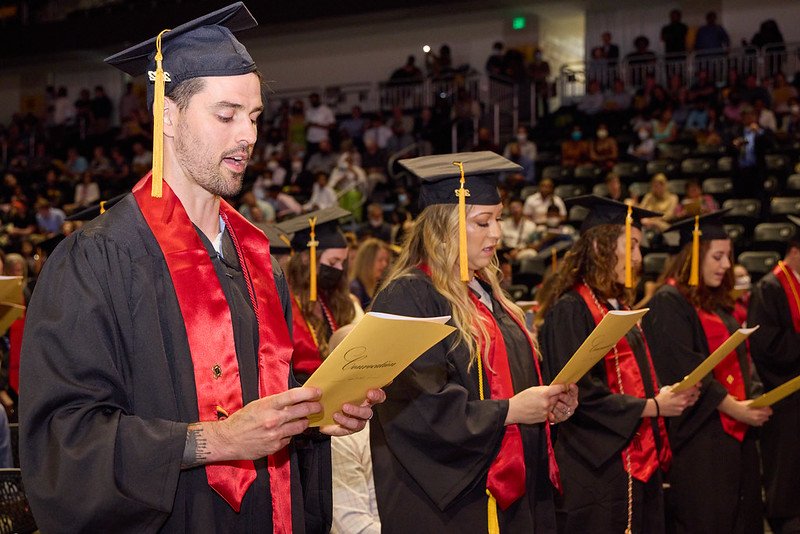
728 372
792 290
644 455
209 330
306 356
15 332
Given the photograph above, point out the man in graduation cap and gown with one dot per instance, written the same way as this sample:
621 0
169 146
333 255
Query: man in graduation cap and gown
459 447
156 359
614 451
775 346
715 482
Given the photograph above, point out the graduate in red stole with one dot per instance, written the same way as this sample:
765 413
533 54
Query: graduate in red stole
156 389
715 482
464 445
775 306
615 451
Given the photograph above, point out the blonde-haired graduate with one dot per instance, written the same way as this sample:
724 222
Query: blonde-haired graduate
614 452
464 443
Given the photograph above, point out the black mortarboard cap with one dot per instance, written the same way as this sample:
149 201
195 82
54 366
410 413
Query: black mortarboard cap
202 47
93 211
326 229
441 178
710 225
279 241
604 210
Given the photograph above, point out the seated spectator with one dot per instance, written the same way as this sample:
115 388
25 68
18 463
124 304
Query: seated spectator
378 132
695 202
790 125
256 211
402 222
665 130
284 204
354 126
324 160
711 135
100 164
659 100
661 200
370 265
142 159
592 102
765 117
575 150
408 73
75 164
87 192
515 227
515 154
375 225
485 141
551 233
398 117
698 117
781 93
603 150
399 140
752 91
322 195
680 113
526 147
48 218
619 99
703 88
645 149
536 205
616 189
732 110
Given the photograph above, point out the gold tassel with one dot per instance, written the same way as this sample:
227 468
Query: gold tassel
694 273
494 523
102 207
628 248
554 259
312 288
158 122
462 195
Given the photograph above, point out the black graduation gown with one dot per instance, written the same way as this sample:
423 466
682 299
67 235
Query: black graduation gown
433 440
108 391
714 478
775 348
590 443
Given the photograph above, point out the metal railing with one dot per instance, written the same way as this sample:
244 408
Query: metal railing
764 62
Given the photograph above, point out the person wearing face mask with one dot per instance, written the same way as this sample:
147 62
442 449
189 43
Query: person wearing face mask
613 454
349 181
603 150
645 149
775 346
715 478
376 225
464 444
527 148
321 300
575 150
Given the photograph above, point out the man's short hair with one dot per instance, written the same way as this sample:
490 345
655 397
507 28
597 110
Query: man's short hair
182 93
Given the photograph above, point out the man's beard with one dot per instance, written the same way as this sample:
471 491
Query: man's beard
201 167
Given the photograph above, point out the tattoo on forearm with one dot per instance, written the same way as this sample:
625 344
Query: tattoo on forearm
195 452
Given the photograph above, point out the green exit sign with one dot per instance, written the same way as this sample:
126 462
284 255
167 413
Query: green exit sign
518 23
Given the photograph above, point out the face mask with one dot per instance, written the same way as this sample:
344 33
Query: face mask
576 136
602 134
402 198
328 277
644 134
522 138
553 222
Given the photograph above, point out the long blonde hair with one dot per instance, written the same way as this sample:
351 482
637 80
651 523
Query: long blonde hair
364 264
430 242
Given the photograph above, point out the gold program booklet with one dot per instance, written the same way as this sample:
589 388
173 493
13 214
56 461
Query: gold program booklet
779 393
605 335
378 348
700 372
12 303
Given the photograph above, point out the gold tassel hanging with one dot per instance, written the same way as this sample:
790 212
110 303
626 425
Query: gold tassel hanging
312 267
628 248
494 522
462 195
102 207
694 273
158 121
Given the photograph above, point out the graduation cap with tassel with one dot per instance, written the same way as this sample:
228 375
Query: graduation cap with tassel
699 228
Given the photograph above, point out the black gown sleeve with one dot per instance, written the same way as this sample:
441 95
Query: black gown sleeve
678 345
433 420
88 463
604 422
775 346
